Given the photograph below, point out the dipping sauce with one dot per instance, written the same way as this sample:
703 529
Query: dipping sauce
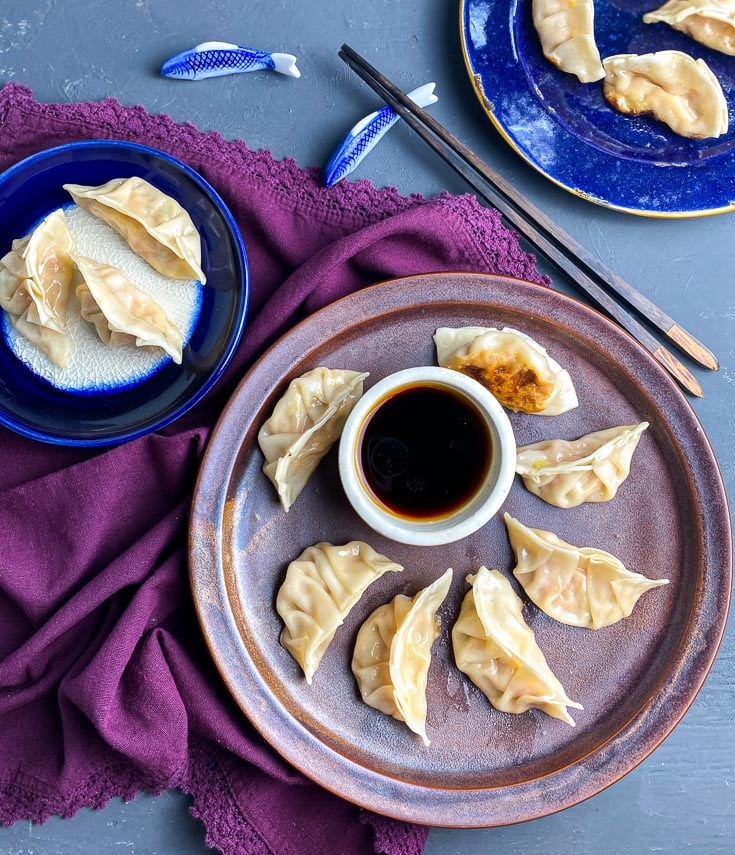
425 451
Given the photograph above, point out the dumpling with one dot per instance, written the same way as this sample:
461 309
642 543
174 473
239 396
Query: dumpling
514 367
583 586
393 653
566 31
709 22
56 345
304 425
497 650
320 588
123 314
35 282
588 469
676 89
153 224
42 265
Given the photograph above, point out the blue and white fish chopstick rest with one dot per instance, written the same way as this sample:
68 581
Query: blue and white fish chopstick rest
213 59
363 138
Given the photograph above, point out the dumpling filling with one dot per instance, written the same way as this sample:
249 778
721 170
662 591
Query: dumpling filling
516 369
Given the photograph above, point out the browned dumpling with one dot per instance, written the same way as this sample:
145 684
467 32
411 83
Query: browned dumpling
510 364
676 89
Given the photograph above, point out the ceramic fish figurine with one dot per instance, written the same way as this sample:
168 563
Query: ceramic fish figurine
214 59
365 135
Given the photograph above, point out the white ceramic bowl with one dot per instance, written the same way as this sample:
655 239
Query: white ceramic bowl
479 506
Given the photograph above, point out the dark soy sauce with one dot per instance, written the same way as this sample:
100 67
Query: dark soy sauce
425 452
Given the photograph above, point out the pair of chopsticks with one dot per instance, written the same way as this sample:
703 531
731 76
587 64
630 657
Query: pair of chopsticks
585 271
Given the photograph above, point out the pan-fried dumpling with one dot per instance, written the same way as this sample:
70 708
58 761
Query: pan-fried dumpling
497 650
304 425
676 89
393 654
35 281
320 588
578 586
514 367
154 225
588 469
121 313
709 22
566 31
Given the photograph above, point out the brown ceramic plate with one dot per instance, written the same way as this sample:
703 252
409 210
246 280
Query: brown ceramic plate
635 679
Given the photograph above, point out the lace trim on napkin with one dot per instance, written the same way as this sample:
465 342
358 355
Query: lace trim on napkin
354 203
227 826
396 838
230 830
25 797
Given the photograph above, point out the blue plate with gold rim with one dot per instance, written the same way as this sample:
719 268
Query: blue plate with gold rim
568 132
35 407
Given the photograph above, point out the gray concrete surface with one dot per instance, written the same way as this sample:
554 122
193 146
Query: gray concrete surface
681 798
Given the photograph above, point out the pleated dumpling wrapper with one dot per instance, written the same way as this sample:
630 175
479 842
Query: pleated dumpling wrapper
584 586
35 283
153 224
678 90
566 31
589 469
495 647
516 369
320 588
393 653
121 313
304 425
709 22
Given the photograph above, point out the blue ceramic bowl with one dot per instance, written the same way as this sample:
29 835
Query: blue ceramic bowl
32 406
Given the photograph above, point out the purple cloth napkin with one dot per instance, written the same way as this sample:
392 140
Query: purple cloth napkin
106 687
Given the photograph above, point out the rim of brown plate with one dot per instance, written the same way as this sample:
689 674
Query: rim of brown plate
588 774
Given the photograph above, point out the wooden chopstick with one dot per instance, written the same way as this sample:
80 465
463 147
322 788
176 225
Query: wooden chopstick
584 271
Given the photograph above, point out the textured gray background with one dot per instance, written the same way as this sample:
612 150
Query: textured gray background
681 797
